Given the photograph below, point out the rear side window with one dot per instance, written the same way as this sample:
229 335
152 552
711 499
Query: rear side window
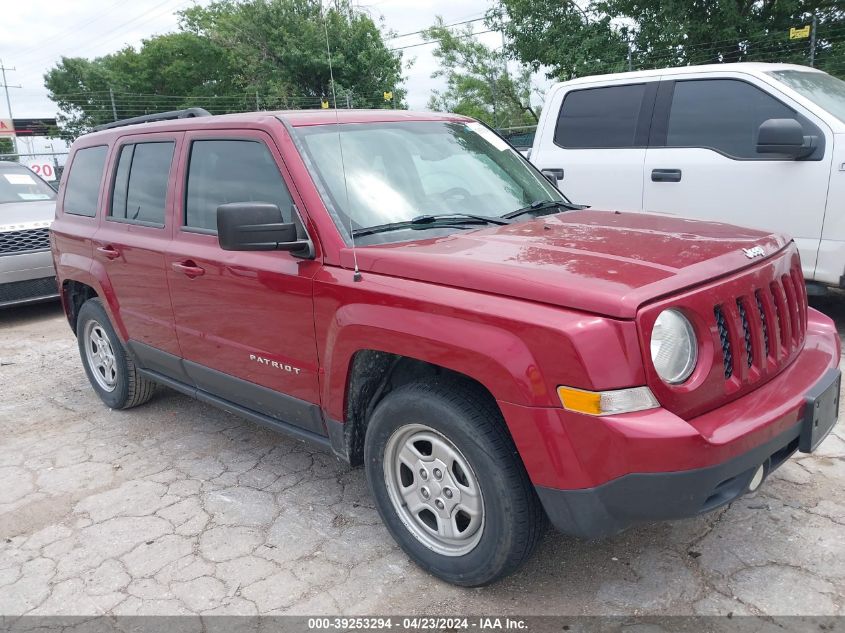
600 117
223 171
83 183
140 186
721 114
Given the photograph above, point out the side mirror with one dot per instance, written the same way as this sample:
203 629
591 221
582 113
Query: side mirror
784 136
257 226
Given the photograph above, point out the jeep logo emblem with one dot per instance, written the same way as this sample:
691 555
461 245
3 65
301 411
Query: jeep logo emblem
756 251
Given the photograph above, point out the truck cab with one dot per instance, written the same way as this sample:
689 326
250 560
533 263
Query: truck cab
407 291
754 144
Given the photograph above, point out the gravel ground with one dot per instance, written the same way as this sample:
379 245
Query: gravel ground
178 508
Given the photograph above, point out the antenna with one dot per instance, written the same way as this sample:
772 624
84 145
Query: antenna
356 276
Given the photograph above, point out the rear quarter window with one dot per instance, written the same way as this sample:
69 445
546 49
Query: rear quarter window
83 181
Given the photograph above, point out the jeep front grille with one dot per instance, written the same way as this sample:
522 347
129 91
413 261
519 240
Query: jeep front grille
727 356
14 242
770 325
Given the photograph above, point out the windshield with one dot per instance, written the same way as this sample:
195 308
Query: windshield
396 172
820 88
18 184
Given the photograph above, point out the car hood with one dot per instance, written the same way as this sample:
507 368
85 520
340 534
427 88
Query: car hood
18 216
602 262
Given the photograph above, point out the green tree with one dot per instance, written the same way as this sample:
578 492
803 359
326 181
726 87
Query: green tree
281 50
6 147
232 57
478 81
588 37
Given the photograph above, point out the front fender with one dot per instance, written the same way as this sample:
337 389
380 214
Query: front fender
497 359
519 351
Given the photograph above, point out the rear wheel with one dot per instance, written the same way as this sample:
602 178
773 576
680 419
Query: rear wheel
110 370
449 484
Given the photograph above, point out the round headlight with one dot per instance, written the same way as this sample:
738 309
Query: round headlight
674 349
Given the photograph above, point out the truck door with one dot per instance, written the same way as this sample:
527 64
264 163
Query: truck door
245 320
702 161
593 140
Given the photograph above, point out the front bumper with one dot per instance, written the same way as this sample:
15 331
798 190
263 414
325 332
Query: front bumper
597 476
27 278
605 510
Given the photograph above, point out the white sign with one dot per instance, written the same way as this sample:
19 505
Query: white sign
41 167
6 127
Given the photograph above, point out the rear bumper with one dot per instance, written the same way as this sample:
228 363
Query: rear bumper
597 476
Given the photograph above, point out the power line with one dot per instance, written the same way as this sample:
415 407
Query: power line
6 87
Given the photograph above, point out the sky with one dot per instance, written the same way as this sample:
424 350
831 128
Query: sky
36 33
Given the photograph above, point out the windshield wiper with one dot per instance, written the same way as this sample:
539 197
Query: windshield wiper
544 207
433 221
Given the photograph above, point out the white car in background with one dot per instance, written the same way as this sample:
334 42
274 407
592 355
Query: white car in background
27 208
760 145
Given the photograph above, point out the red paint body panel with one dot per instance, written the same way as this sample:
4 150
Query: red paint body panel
567 450
597 261
567 299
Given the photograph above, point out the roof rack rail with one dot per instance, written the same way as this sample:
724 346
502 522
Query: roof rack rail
187 113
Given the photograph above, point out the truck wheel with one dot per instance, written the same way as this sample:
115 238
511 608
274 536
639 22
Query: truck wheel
449 484
110 370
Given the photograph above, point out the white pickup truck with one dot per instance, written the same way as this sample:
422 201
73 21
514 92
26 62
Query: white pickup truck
761 145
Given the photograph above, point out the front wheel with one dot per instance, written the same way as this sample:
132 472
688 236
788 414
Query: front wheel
449 484
110 370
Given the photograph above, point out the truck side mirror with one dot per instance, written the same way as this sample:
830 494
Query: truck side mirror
257 226
784 136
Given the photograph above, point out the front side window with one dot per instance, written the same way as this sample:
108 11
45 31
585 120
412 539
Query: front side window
600 117
395 172
19 184
223 171
721 114
140 186
820 88
83 185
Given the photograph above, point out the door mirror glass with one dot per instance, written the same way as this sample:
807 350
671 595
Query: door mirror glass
784 136
256 226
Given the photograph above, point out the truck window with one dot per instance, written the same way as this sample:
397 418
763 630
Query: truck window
83 184
721 114
222 171
600 117
140 186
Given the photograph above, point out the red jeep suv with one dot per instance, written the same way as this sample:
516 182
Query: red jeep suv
409 292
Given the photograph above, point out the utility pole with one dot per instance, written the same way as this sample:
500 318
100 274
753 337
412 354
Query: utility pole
113 107
630 60
812 41
257 104
6 87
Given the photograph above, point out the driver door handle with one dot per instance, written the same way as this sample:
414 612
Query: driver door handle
666 175
188 268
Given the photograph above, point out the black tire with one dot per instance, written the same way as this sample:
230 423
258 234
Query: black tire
130 388
514 520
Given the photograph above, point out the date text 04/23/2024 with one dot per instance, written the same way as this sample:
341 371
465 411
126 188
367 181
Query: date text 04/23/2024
418 623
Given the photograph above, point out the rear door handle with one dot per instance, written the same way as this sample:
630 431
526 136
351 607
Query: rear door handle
109 251
666 175
188 268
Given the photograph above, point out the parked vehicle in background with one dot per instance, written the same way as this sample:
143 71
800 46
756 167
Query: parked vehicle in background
760 145
27 208
406 290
